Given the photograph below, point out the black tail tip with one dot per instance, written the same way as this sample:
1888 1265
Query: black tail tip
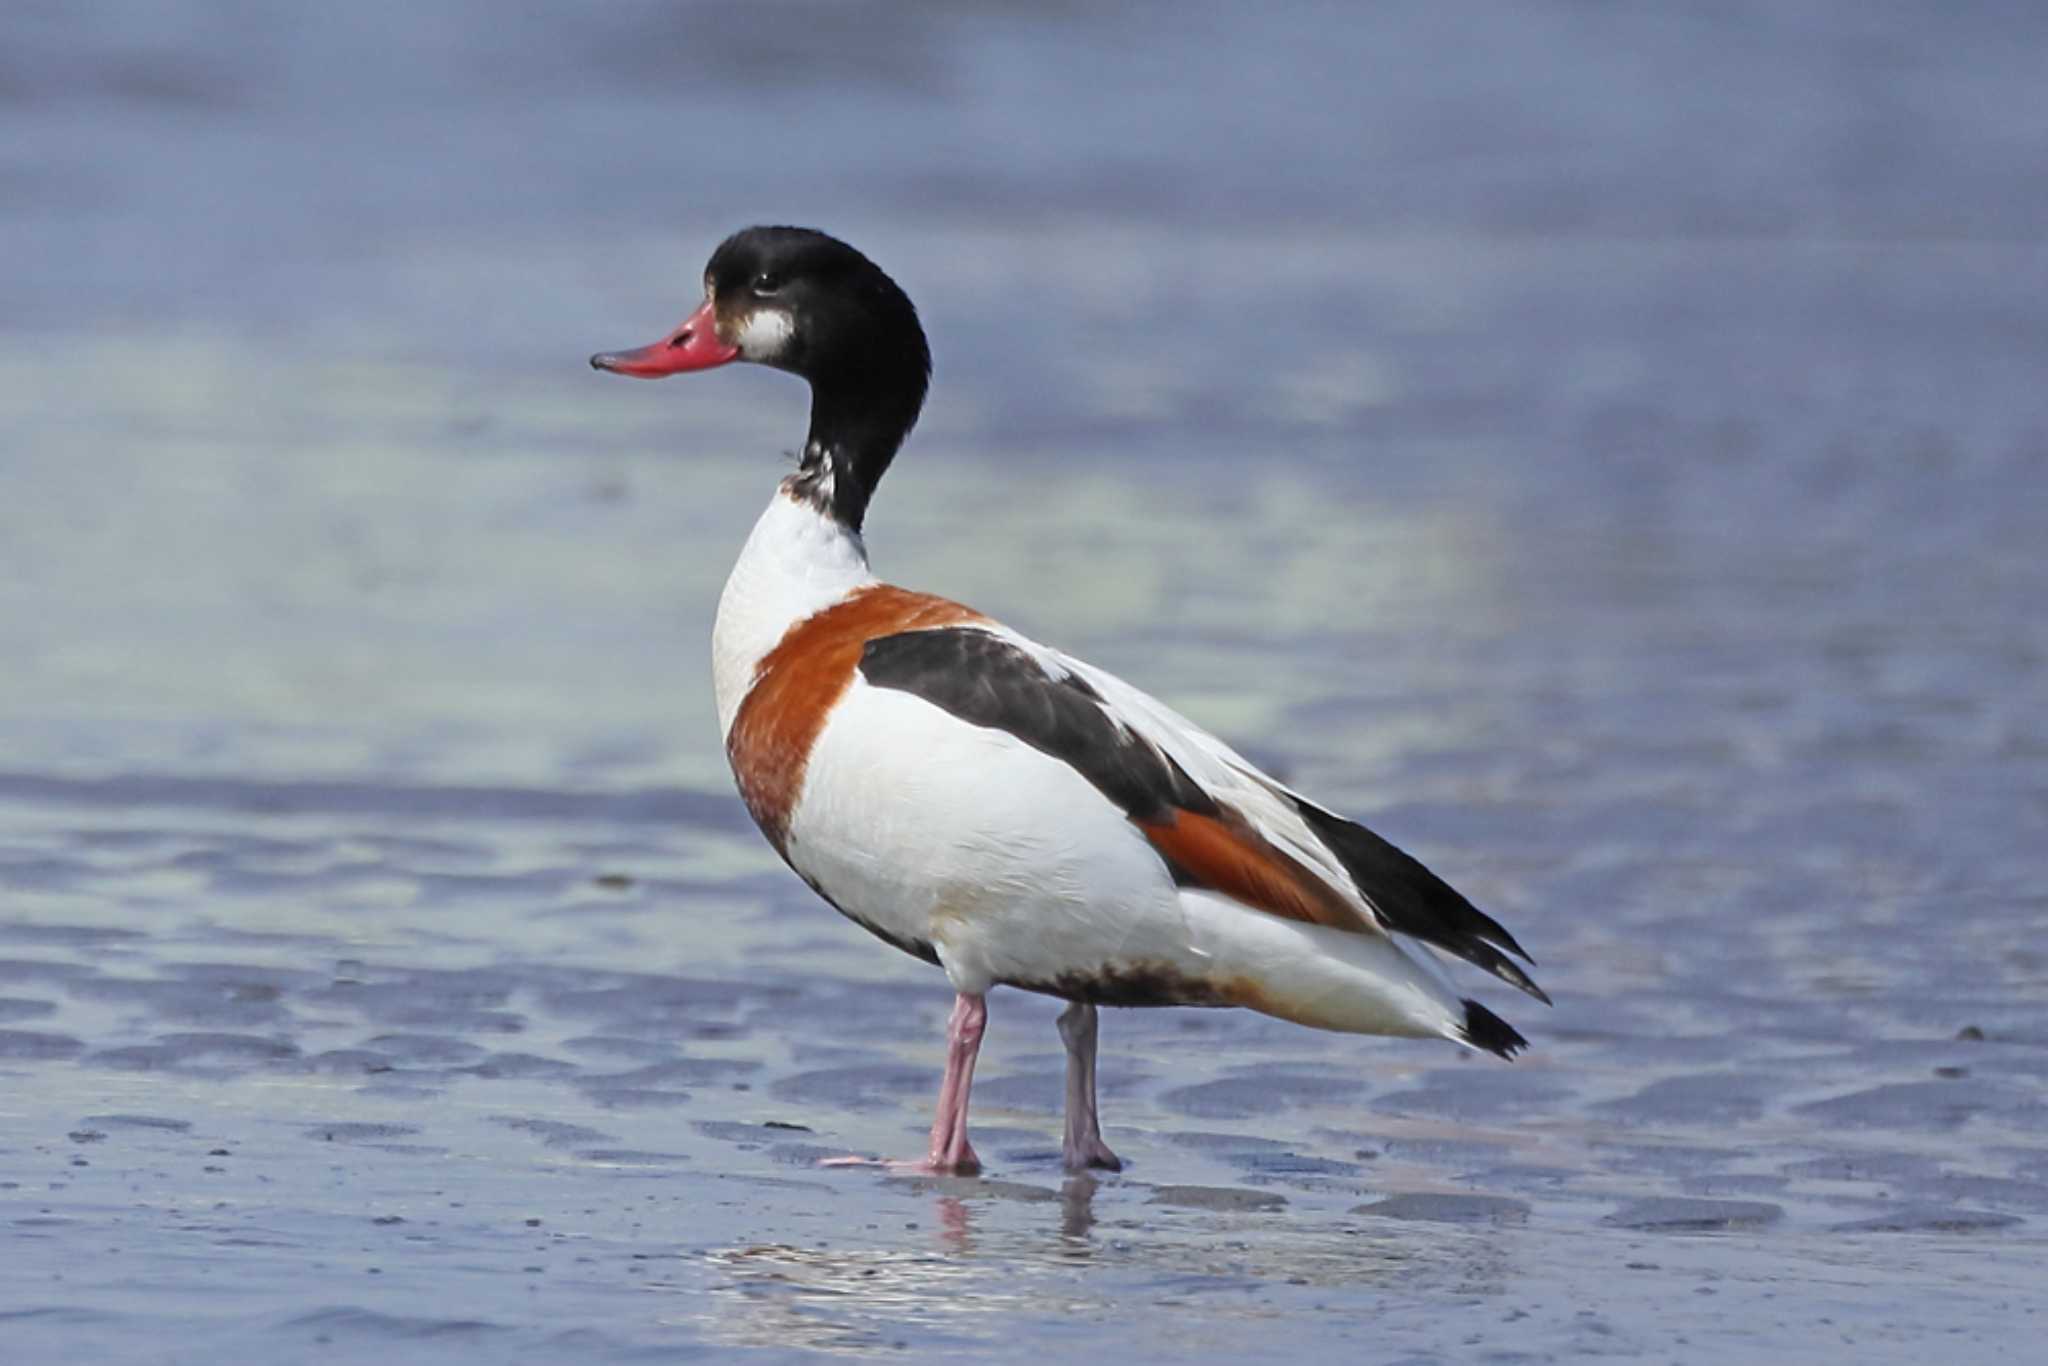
1484 1029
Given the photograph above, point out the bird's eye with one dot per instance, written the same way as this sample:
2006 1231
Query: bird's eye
767 282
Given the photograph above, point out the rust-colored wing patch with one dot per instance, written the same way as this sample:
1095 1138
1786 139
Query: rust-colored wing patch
1223 853
797 684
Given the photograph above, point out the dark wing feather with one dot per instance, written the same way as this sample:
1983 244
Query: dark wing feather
987 681
1409 898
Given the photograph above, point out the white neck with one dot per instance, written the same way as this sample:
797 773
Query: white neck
796 562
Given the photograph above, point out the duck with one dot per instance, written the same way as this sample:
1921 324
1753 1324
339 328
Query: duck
993 806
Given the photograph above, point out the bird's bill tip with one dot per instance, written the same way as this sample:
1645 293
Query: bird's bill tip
695 345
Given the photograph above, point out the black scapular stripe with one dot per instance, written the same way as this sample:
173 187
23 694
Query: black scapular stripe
1409 898
987 681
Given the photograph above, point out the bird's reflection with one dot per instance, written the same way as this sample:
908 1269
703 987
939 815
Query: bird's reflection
954 1217
988 1250
1077 1212
956 1224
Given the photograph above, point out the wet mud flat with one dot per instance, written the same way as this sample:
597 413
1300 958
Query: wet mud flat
334 1084
1614 478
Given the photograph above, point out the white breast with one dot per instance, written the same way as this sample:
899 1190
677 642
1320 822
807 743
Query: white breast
796 562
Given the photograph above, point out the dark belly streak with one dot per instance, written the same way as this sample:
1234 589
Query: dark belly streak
1125 984
1136 984
916 948
1140 984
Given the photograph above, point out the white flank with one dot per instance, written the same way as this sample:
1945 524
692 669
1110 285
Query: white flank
1016 869
1008 861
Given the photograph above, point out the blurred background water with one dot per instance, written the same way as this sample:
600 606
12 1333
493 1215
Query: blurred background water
1602 447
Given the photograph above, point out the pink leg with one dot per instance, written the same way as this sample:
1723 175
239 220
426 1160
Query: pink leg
1083 1147
950 1151
951 1154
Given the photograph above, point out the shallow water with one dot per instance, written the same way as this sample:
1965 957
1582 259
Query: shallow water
1597 449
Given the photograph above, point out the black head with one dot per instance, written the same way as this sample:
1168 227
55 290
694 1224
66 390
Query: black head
809 304
798 300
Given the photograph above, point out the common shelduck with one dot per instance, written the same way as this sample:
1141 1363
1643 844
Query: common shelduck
997 808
